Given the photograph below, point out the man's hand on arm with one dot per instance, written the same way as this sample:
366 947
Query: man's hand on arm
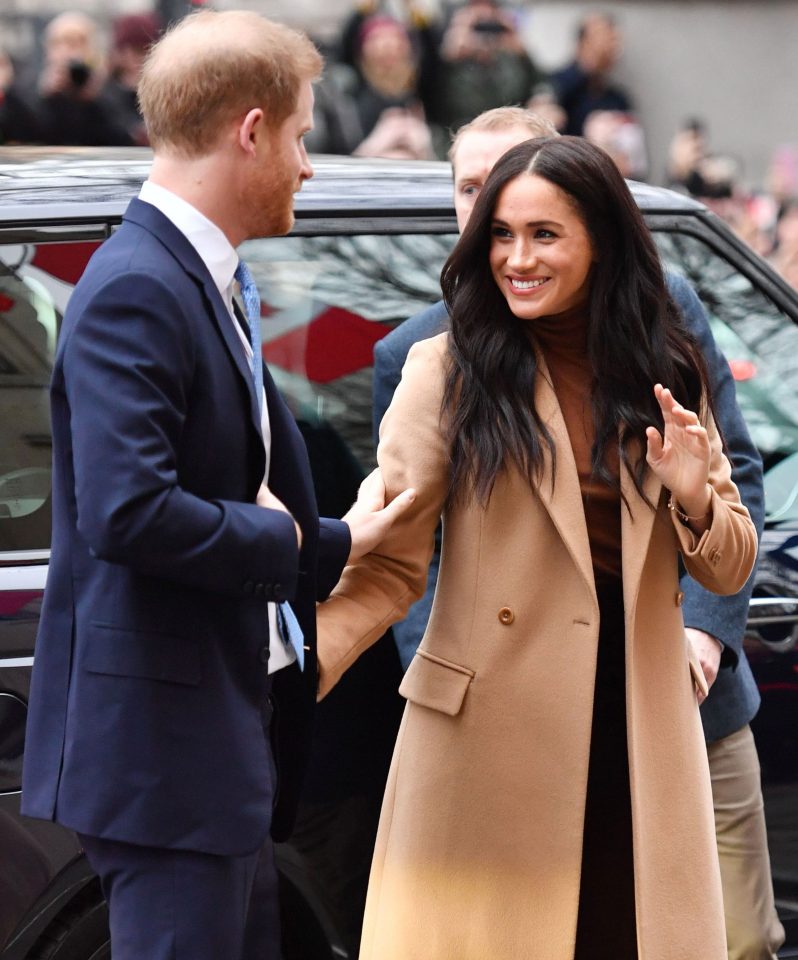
267 499
368 519
708 650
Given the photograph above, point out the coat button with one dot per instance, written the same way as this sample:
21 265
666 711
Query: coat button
278 591
679 598
263 653
248 586
506 616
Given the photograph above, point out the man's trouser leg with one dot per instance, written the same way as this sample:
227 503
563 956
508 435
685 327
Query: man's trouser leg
172 904
753 929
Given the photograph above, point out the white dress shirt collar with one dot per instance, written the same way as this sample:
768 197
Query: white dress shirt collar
213 247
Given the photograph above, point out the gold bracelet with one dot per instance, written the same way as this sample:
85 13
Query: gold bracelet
682 515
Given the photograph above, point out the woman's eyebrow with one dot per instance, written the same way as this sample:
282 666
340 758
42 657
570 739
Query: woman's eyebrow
531 223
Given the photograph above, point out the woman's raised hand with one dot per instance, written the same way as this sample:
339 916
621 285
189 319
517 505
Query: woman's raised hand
680 457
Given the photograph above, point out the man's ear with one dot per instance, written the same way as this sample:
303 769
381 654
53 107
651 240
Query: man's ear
250 128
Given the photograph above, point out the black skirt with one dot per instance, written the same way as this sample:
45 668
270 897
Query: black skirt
606 927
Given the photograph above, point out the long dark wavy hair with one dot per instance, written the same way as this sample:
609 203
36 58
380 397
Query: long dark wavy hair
635 334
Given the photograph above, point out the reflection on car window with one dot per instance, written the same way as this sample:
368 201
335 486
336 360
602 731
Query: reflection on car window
761 345
325 302
29 322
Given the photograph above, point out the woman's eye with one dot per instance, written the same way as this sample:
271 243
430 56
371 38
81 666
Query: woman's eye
542 234
499 232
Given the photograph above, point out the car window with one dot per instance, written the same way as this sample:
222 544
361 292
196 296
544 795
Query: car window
761 344
29 322
325 302
36 281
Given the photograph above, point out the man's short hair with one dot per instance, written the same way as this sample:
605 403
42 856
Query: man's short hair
212 67
505 118
587 21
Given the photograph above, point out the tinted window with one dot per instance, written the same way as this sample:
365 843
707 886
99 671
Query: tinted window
28 329
758 340
761 345
325 302
36 281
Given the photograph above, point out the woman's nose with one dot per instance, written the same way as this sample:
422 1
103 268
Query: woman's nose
521 256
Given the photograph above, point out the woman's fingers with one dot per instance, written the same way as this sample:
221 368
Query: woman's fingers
673 413
655 444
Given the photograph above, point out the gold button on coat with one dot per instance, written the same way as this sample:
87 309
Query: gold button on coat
506 616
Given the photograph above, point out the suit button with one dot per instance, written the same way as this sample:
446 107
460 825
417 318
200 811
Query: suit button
268 591
679 598
258 589
506 616
248 586
263 653
277 590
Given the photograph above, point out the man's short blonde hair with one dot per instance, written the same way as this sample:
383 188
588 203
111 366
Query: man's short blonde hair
213 67
505 118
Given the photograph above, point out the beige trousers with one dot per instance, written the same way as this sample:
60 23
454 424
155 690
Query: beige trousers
753 929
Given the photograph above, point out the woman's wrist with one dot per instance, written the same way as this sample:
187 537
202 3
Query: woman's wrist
694 512
695 507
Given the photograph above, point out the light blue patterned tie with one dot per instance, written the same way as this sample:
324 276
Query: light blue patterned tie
251 298
291 632
287 623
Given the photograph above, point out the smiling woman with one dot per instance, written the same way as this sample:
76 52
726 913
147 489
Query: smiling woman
541 429
540 251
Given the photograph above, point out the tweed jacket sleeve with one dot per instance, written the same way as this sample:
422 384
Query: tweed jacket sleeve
391 352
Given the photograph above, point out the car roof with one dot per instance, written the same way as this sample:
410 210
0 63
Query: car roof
97 183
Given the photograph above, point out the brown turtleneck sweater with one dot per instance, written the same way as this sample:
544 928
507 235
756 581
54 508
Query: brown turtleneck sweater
563 341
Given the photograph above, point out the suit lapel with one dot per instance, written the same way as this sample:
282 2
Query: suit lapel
289 470
152 220
562 498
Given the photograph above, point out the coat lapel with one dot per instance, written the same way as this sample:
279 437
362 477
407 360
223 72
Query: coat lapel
563 497
637 524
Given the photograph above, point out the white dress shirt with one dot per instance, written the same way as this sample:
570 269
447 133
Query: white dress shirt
221 259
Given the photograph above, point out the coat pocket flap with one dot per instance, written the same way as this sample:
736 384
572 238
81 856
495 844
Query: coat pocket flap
436 683
117 652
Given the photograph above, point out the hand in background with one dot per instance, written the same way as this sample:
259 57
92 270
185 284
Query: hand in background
369 519
709 650
267 499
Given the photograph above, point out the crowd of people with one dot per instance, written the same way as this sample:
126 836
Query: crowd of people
395 87
553 783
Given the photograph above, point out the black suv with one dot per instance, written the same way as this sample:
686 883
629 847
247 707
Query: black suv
366 253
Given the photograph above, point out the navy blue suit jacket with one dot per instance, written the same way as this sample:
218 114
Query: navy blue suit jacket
145 717
733 699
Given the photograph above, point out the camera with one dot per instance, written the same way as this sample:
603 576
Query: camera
490 27
79 73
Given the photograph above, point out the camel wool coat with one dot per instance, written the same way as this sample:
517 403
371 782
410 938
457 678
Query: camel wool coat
478 855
